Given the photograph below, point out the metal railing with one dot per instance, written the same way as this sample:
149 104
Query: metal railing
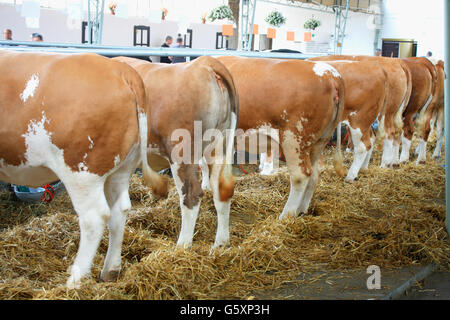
140 51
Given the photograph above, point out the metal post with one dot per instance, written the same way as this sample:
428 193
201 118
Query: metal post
447 112
89 23
100 27
340 23
249 46
241 19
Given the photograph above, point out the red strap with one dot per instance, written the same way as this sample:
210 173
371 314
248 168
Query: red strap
49 193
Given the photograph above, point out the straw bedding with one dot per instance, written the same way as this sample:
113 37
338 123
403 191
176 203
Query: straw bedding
390 218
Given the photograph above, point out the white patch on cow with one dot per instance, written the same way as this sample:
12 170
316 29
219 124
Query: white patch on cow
205 174
359 152
352 114
91 143
30 87
388 153
116 160
298 178
266 164
284 115
320 68
406 146
422 156
366 162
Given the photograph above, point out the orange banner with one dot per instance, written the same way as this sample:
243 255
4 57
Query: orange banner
255 29
308 37
227 29
290 36
271 33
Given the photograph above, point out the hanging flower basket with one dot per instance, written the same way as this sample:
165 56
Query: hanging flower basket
221 13
112 8
311 24
164 12
275 19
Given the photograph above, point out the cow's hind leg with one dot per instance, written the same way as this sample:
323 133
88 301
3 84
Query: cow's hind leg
89 201
299 167
361 145
222 203
116 192
190 193
439 134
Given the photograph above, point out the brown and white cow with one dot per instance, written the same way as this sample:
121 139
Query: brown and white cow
195 100
302 101
400 86
366 97
434 115
423 75
81 119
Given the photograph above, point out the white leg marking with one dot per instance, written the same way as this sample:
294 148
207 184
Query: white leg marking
310 188
422 157
267 164
188 216
359 154
388 153
366 162
116 192
93 212
205 174
222 209
406 146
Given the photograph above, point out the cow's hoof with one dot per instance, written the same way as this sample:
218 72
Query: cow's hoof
109 276
221 244
421 162
396 166
73 283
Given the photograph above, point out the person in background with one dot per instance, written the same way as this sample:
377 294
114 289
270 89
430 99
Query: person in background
429 54
179 45
378 53
37 37
166 44
7 34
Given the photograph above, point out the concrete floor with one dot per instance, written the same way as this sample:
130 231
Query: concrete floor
352 286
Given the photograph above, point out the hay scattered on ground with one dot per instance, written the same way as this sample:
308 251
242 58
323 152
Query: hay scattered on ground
391 218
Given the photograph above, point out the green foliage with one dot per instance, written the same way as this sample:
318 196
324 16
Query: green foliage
275 18
220 13
312 24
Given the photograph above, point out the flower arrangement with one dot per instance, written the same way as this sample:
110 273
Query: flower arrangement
164 12
311 24
221 13
204 17
112 8
275 18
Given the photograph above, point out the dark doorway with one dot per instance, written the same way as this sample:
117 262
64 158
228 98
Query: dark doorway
84 28
390 49
188 39
221 41
141 36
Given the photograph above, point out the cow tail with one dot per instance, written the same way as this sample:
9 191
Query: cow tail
338 163
158 183
223 76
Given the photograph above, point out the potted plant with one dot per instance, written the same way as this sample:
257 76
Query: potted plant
275 19
311 24
221 13
164 12
204 18
112 8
